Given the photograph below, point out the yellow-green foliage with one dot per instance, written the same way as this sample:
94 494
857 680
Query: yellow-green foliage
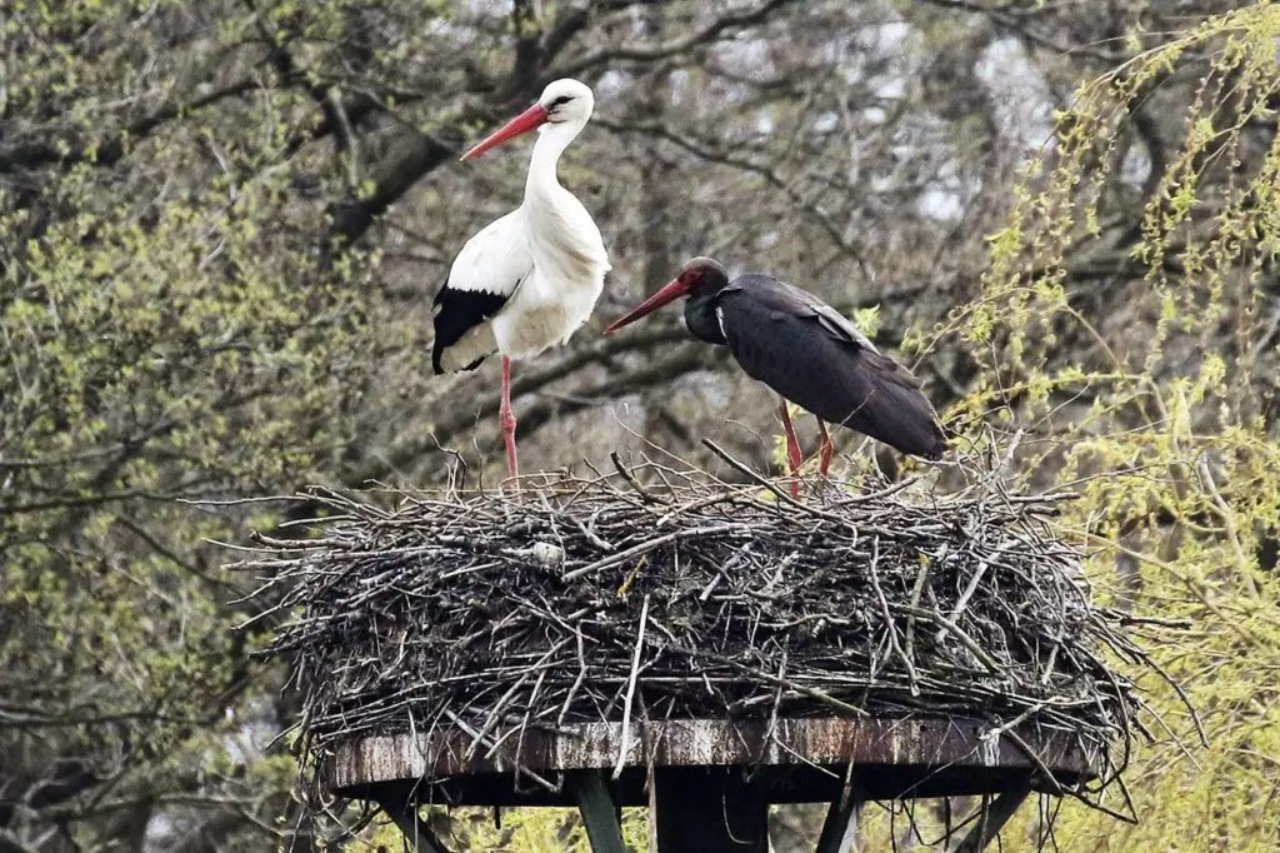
542 830
164 334
1168 427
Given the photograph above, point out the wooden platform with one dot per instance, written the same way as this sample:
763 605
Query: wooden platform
713 780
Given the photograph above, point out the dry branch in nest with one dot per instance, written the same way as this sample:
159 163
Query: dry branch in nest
582 601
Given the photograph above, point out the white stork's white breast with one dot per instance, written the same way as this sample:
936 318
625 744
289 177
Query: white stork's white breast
569 265
544 313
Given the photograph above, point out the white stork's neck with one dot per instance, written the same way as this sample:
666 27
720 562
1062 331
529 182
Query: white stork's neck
542 185
566 245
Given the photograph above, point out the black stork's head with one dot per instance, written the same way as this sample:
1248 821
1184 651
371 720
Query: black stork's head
564 101
700 279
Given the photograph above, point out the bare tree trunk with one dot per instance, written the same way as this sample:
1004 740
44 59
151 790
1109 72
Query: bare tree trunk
655 210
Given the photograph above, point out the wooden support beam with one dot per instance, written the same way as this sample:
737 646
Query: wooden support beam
840 829
993 817
599 813
709 810
416 832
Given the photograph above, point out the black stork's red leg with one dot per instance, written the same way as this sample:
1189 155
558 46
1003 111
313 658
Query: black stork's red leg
828 449
508 418
793 448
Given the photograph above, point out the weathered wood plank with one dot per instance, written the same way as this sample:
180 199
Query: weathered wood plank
687 743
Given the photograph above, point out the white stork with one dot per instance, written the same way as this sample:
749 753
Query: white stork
528 280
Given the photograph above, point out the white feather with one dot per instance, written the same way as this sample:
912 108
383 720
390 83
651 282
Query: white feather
496 259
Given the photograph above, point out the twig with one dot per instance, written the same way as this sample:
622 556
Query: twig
914 602
634 483
781 494
651 544
890 627
631 692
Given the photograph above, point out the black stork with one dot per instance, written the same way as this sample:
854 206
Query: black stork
808 352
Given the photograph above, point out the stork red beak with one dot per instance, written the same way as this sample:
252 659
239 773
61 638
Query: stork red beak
671 291
533 117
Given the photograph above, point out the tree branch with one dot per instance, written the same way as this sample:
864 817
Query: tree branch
417 155
688 358
683 44
108 153
528 30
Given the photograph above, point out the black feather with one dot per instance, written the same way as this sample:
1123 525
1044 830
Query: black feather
811 355
456 313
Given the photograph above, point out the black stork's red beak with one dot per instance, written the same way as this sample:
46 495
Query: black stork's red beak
531 118
671 291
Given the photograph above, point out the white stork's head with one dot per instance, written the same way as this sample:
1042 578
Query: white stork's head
567 101
564 103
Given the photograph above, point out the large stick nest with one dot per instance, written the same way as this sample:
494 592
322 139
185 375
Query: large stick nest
583 601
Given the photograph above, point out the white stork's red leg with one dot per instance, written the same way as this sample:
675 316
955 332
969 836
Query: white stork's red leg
793 448
508 418
828 449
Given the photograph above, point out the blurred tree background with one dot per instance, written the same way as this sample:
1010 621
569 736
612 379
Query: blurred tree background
222 222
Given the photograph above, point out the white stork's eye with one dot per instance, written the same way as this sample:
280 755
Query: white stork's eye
561 101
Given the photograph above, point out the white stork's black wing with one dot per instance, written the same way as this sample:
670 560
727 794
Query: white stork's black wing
813 356
484 276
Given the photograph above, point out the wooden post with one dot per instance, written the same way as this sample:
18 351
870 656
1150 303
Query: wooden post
709 810
599 814
993 818
840 829
417 834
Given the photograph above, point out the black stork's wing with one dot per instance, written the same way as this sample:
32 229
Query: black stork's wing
806 351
